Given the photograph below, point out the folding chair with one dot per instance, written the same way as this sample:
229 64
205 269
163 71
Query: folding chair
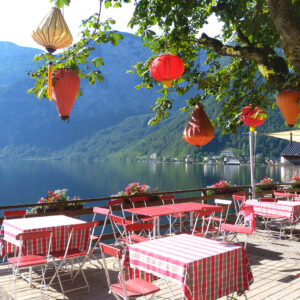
143 201
169 199
9 214
95 239
239 201
226 204
246 216
141 227
118 228
20 262
204 218
234 230
116 204
66 257
132 288
283 195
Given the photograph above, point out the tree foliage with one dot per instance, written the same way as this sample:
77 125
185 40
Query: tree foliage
261 39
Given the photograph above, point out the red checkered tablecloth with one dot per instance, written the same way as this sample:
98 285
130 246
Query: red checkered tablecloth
288 209
206 269
59 225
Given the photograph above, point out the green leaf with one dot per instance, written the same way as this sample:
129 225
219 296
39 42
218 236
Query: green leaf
59 3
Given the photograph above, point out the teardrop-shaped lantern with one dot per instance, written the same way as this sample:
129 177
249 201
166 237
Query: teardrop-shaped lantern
198 130
289 105
53 32
66 85
253 117
166 67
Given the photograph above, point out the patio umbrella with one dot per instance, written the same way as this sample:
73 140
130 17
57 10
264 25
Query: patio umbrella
291 135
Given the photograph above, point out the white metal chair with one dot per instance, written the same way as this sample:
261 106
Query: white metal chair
30 261
239 201
141 200
131 288
138 227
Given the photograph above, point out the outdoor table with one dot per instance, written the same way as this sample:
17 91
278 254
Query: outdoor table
288 209
156 212
58 223
204 268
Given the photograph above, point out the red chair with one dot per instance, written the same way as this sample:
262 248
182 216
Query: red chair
143 201
204 221
232 231
140 227
132 288
118 228
284 195
116 204
9 214
98 211
169 199
65 258
21 262
239 201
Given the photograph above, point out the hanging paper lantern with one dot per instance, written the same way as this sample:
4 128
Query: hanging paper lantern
65 89
198 130
289 105
166 68
250 118
52 33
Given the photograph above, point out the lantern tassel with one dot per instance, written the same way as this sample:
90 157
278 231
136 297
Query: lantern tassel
167 83
50 81
252 129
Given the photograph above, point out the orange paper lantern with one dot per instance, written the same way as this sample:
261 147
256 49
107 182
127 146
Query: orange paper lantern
65 89
166 67
198 130
289 105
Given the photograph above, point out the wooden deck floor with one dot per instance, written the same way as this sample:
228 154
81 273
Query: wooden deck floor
274 264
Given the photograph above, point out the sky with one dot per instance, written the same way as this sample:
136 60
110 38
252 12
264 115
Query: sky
18 18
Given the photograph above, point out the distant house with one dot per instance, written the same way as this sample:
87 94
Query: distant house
233 162
227 153
291 154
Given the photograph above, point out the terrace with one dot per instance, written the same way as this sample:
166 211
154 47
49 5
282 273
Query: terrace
274 263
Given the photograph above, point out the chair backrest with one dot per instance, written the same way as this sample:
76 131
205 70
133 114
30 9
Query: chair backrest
44 243
239 197
103 212
76 228
142 199
117 253
240 194
283 194
266 199
167 199
116 204
146 227
14 213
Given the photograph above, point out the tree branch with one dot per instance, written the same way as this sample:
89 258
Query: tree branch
271 65
283 14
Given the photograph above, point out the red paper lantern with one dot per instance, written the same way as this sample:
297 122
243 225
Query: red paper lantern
166 68
198 130
289 105
248 118
66 86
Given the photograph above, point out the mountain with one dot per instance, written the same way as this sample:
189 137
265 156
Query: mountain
110 120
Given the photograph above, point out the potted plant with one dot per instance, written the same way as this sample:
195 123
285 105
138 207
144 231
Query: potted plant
138 189
295 182
267 184
218 188
74 205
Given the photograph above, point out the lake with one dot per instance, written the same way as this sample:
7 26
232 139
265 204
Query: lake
26 181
